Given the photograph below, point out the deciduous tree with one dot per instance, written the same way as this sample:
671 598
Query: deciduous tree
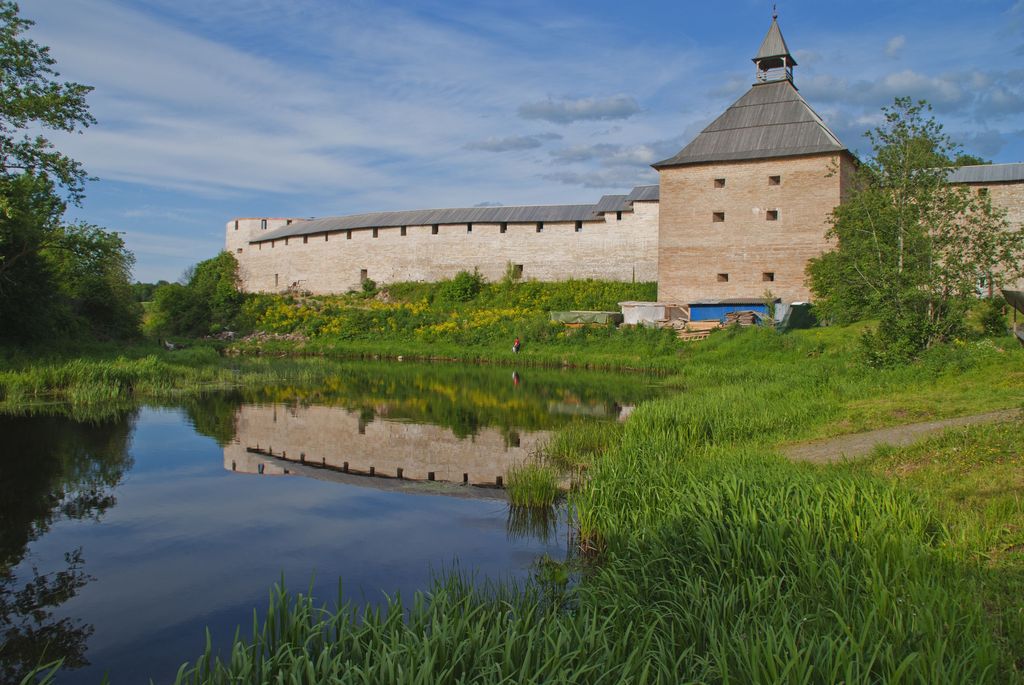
911 248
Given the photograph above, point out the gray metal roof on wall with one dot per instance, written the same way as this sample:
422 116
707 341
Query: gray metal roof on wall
465 215
770 120
612 203
644 194
987 173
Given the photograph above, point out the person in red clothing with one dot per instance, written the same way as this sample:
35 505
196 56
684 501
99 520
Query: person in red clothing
515 345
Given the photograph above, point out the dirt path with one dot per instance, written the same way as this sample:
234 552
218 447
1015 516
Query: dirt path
861 444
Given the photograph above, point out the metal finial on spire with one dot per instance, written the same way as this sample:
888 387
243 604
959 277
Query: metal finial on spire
775 11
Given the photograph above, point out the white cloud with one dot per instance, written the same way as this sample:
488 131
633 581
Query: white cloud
895 46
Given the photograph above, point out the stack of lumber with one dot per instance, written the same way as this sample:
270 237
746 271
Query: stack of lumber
697 330
743 317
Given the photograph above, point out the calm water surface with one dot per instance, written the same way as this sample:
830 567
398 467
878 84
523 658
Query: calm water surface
126 532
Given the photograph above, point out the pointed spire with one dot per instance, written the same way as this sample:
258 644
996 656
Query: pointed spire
773 55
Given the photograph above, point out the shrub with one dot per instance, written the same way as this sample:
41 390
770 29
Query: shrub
463 288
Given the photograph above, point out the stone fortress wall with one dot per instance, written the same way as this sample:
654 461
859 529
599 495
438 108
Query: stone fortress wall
689 256
620 246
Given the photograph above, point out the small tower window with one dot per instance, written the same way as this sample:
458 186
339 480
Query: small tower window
579 226
348 235
305 239
772 215
768 276
375 233
718 217
774 180
618 216
288 222
286 242
723 278
272 242
719 182
405 230
236 224
503 228
276 279
325 236
540 227
469 228
434 229
263 224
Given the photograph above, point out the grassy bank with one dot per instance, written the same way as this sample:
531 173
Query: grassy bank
719 561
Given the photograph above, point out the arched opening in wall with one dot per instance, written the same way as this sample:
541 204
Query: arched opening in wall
263 224
236 224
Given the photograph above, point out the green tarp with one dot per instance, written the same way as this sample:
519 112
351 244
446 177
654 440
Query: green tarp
587 317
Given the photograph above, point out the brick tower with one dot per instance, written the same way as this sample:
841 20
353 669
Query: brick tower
746 203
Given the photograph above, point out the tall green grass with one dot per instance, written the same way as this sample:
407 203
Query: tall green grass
718 560
532 485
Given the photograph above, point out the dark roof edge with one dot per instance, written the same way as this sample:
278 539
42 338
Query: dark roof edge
747 157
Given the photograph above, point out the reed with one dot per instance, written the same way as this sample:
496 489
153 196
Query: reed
532 485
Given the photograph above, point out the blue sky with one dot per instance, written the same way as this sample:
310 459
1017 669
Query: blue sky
209 111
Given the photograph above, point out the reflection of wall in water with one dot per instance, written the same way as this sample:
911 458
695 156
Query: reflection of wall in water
331 436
